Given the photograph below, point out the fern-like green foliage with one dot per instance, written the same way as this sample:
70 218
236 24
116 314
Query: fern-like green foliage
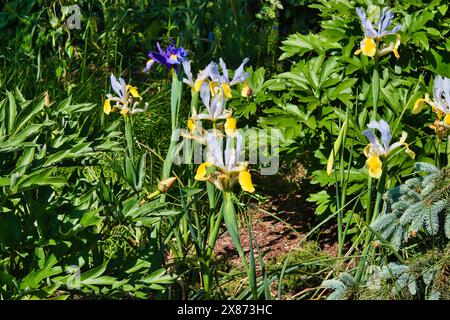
403 276
423 275
342 287
420 205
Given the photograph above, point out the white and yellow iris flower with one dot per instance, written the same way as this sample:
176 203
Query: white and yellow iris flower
201 77
223 169
375 151
124 99
440 102
215 107
369 45
221 84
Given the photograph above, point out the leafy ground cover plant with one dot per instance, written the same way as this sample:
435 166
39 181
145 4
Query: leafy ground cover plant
124 172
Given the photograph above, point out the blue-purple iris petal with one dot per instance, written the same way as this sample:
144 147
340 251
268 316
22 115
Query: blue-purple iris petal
214 148
386 17
239 74
161 59
368 28
385 21
385 131
161 51
205 95
445 91
187 71
371 137
170 58
224 71
217 106
214 72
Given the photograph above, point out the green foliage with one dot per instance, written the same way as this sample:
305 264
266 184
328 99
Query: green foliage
81 214
60 208
328 84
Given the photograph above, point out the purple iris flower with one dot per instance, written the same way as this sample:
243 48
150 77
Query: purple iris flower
170 58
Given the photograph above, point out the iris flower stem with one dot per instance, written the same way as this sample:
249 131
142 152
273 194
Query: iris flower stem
214 224
214 234
230 218
216 221
343 205
375 83
129 137
175 97
194 103
375 97
341 234
369 199
338 193
175 100
369 233
380 192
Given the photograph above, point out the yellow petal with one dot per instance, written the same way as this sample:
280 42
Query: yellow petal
245 180
396 54
201 171
375 166
396 45
367 150
418 106
447 119
107 107
133 91
197 84
124 111
230 126
358 51
226 90
409 152
191 125
368 47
